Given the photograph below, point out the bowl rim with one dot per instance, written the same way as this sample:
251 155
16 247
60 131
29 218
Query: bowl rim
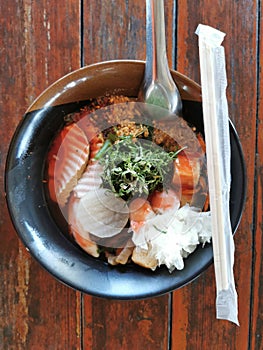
179 78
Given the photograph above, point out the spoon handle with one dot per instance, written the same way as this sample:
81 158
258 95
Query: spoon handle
156 59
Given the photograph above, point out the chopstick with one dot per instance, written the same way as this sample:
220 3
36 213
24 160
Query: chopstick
216 127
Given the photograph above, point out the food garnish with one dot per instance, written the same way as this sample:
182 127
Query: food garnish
135 166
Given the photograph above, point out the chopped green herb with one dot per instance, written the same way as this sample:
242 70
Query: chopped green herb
135 166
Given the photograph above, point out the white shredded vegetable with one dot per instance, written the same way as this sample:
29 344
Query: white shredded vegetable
174 235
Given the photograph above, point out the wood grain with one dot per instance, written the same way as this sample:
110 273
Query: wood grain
116 30
123 325
39 43
257 290
233 19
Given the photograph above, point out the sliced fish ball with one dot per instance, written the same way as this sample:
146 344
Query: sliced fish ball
90 180
101 213
82 236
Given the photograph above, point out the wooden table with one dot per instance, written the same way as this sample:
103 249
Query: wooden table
40 41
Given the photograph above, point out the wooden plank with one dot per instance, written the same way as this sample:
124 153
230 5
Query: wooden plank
257 302
117 31
126 324
53 313
196 326
39 43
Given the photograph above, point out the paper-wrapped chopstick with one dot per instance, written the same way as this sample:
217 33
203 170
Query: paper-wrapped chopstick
216 127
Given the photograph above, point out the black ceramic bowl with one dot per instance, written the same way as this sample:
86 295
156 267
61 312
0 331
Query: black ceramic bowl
30 210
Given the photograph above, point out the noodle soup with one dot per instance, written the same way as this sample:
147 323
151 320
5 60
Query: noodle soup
131 186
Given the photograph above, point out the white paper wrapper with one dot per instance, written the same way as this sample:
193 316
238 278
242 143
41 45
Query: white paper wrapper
216 127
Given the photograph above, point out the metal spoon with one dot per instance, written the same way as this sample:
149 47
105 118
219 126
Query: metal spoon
158 87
